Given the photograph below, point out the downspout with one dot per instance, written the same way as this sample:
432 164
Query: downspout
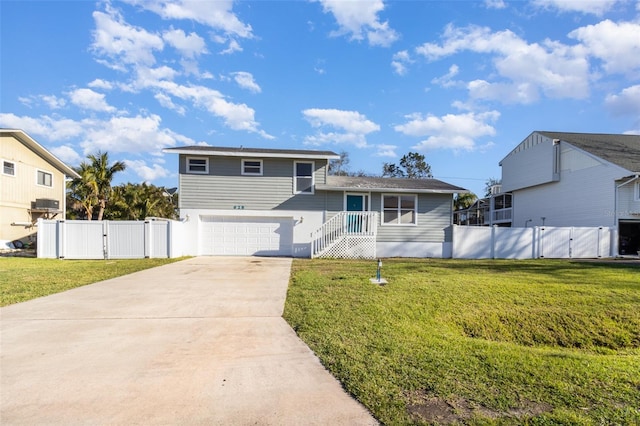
615 208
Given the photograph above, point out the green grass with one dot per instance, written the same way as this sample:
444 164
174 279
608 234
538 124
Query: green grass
539 342
22 279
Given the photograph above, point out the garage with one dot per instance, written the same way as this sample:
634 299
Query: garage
246 236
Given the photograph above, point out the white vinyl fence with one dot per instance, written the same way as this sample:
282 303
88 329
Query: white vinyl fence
82 239
479 242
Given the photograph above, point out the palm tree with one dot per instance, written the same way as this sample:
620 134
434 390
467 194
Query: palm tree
102 175
83 192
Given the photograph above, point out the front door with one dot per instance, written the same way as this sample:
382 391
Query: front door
356 203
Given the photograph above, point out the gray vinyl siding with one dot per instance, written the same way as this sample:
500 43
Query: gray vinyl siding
434 216
224 187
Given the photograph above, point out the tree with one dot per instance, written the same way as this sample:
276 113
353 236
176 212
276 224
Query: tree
464 201
82 195
93 188
103 173
412 166
139 201
340 167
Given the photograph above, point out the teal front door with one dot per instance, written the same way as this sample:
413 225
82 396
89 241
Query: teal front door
355 203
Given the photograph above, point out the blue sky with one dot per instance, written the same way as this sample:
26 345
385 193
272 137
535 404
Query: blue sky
462 82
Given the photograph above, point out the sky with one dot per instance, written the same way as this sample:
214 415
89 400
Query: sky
461 82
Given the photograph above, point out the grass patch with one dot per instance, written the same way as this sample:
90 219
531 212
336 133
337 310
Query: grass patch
23 279
476 342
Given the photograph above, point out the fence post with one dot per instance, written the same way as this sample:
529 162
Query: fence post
147 239
493 241
541 243
61 243
105 239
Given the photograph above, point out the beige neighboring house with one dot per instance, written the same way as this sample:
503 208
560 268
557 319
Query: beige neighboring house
32 186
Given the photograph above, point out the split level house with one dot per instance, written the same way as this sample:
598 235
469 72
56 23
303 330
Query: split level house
32 186
568 180
276 202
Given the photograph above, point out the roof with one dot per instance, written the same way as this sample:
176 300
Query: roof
21 136
383 184
621 150
253 152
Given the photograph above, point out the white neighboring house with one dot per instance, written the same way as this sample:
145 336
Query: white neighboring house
576 179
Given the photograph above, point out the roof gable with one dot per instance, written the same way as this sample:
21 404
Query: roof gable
621 150
41 151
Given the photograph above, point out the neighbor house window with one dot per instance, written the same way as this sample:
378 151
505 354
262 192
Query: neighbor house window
252 167
45 178
198 165
303 177
8 168
637 191
399 209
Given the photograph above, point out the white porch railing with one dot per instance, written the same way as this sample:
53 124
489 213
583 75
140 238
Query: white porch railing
347 235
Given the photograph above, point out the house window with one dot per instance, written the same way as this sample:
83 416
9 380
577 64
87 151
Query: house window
198 165
45 178
400 210
252 167
637 191
303 177
8 168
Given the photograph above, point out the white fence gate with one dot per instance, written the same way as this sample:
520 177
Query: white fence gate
82 239
478 242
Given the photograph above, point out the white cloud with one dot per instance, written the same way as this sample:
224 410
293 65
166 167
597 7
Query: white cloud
147 173
139 134
446 80
54 129
360 19
88 99
349 121
190 46
627 102
246 81
386 151
495 4
123 44
67 154
351 127
555 69
53 102
595 7
216 14
616 44
456 132
400 61
234 46
167 102
98 83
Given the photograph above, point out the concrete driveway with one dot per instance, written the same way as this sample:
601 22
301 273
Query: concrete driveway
199 341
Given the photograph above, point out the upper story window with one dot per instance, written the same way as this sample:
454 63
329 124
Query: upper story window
198 165
8 168
399 209
637 191
303 177
44 178
252 167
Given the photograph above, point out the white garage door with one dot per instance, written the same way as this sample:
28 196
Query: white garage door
246 236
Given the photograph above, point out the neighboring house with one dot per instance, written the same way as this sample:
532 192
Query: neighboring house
243 201
572 180
32 185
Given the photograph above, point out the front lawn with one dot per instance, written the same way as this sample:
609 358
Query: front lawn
502 342
22 279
